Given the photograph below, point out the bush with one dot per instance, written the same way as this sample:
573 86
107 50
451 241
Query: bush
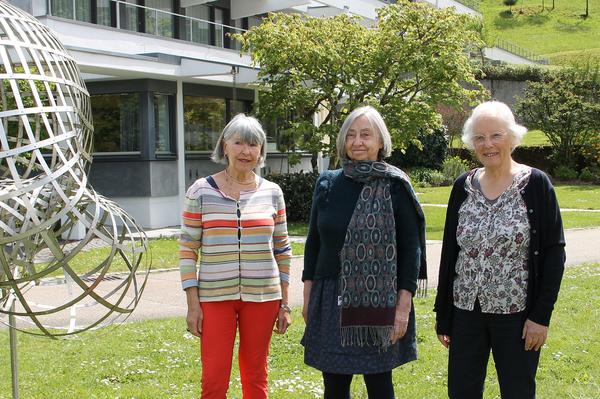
563 172
425 177
454 167
437 179
588 175
297 190
435 149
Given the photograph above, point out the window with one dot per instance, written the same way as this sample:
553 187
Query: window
204 119
238 23
128 15
219 20
116 122
72 9
159 21
195 30
103 12
162 123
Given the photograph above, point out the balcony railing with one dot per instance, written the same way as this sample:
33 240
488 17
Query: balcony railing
520 51
137 18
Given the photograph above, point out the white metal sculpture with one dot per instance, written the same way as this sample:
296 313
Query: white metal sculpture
45 152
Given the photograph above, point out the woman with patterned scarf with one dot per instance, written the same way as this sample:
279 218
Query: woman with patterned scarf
364 253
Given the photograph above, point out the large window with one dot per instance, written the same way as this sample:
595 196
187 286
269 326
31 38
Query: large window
129 15
162 123
72 9
195 30
204 119
159 20
116 122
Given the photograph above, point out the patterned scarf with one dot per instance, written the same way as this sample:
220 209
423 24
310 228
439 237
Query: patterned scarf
368 259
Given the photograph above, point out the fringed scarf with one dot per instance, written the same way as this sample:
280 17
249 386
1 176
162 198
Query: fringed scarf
368 259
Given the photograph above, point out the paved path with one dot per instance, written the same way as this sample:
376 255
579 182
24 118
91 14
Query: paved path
163 296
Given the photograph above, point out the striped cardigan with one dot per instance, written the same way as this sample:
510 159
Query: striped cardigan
244 246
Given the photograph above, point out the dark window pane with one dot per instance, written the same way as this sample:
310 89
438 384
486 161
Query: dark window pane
204 119
128 15
162 123
79 10
196 29
116 122
158 20
103 12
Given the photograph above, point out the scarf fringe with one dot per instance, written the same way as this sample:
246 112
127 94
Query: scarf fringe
422 288
367 336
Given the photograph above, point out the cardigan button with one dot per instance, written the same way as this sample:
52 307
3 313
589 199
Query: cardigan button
522 191
534 231
531 211
535 252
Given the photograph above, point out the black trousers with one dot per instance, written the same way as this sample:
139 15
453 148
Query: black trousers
473 335
379 386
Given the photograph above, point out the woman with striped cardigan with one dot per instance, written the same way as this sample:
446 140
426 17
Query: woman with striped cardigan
235 262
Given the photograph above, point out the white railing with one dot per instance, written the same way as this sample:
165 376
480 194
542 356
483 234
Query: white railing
160 23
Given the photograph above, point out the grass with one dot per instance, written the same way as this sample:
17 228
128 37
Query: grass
164 251
533 138
158 359
561 35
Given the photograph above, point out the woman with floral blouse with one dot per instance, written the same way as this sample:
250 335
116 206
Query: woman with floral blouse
502 262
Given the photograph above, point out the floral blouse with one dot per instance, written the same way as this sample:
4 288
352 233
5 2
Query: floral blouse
493 236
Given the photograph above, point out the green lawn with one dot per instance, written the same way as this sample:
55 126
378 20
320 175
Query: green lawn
164 251
533 138
583 196
561 35
159 359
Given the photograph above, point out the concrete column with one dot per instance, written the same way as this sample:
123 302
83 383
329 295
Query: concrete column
180 131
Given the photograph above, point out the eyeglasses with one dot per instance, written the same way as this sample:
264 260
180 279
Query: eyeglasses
494 138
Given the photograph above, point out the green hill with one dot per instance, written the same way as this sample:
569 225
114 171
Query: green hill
561 34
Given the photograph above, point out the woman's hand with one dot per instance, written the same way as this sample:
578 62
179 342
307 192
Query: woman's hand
534 335
194 313
445 340
284 320
403 306
306 297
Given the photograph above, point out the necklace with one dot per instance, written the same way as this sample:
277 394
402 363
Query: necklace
247 183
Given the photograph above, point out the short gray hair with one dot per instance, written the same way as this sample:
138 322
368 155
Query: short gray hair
377 124
249 130
498 110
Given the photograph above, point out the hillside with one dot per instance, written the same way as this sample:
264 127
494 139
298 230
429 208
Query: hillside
560 34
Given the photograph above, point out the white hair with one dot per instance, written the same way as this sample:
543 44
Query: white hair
377 124
249 131
500 111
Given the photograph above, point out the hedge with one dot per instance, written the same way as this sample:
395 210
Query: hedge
297 190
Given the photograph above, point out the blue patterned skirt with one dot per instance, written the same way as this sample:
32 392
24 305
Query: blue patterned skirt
322 341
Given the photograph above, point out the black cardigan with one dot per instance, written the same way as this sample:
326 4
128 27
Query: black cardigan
546 251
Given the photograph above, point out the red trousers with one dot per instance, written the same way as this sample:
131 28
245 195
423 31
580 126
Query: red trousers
255 321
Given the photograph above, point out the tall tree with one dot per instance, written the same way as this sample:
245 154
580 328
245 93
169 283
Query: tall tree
566 107
415 58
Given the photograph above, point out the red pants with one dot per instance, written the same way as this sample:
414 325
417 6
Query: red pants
219 326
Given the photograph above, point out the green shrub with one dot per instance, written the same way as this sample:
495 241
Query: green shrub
563 172
438 179
453 167
297 190
434 151
588 175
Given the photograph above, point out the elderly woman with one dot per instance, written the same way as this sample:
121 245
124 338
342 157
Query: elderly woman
364 253
502 262
236 221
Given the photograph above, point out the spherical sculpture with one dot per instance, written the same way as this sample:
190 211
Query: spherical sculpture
45 153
